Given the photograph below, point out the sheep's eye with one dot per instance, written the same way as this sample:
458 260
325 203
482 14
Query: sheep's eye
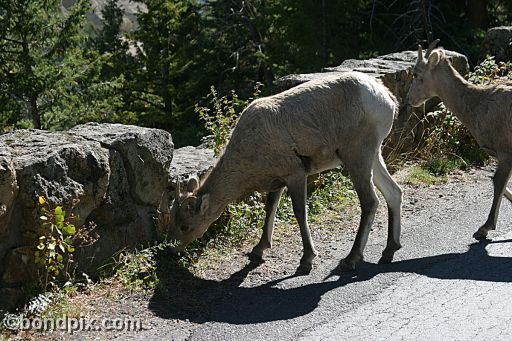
415 75
185 228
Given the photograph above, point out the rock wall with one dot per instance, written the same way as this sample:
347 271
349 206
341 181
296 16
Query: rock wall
116 175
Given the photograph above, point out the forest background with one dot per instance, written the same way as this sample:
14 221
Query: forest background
58 68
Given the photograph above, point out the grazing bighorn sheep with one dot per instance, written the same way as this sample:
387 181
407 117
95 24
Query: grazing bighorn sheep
485 110
280 140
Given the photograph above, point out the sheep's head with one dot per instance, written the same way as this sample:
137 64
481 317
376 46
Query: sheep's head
188 220
422 87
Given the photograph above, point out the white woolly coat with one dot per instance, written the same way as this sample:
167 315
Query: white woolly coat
310 128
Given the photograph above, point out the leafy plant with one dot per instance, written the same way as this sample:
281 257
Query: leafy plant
445 136
223 114
440 166
489 71
332 190
447 144
137 269
243 216
54 249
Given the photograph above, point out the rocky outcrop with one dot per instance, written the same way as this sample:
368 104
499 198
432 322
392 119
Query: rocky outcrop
114 175
95 18
190 160
395 70
498 43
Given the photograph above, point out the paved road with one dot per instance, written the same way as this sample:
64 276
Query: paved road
443 285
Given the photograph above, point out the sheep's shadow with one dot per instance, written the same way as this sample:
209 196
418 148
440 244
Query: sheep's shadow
181 295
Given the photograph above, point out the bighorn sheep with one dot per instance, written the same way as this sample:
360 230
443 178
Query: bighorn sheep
280 140
485 110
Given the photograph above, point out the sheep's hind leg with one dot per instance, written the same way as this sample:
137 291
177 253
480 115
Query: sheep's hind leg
361 174
500 180
265 242
393 195
297 189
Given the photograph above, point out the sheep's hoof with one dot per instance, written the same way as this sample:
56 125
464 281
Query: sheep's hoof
385 259
480 234
258 249
306 262
255 257
350 263
304 269
388 254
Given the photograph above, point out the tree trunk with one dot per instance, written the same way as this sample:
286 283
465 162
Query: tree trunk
34 111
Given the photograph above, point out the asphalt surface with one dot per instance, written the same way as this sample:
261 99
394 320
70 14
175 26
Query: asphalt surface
443 285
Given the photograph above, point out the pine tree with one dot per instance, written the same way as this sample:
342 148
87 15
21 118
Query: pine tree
164 87
109 38
48 78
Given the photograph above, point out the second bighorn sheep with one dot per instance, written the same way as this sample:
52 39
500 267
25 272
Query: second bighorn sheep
281 139
485 110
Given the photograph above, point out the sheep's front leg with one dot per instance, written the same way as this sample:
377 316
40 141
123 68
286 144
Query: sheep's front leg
297 189
500 180
270 210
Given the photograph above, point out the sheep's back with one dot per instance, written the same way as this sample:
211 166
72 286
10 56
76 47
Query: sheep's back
313 118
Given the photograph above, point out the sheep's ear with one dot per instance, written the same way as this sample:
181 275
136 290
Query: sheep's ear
205 204
434 59
192 184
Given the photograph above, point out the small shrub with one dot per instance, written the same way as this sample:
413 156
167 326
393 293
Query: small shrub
332 190
223 114
239 221
137 269
489 71
445 136
439 166
55 242
54 249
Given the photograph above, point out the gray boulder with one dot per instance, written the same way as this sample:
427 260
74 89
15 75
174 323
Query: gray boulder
498 43
190 161
114 175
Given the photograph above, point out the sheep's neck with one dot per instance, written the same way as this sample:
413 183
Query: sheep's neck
458 95
223 185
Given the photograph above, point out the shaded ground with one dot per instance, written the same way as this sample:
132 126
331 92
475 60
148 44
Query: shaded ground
439 272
